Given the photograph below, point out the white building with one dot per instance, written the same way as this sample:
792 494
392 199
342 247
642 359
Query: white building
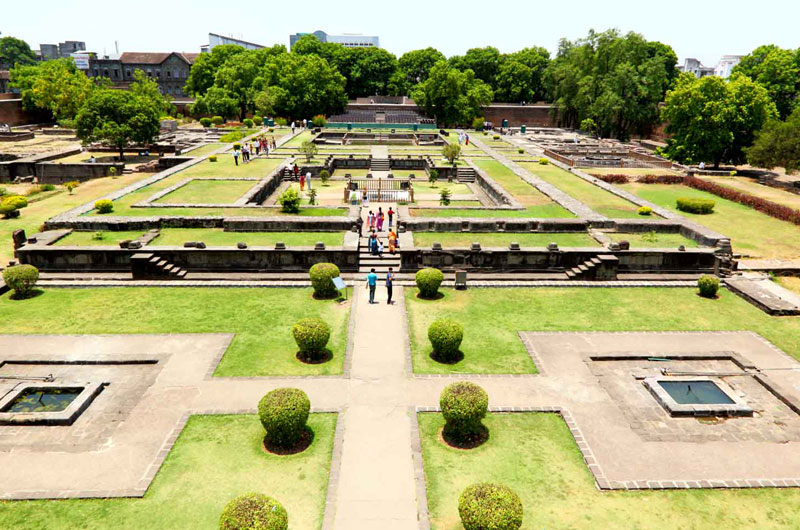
215 40
348 40
723 68
726 64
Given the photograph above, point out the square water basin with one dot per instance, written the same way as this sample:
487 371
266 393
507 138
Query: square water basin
42 399
696 396
47 403
696 393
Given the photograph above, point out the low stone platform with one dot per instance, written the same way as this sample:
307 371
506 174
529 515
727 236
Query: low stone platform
765 294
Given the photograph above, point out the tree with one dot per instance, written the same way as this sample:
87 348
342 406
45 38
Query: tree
216 101
713 120
777 145
588 126
484 62
147 88
452 96
416 64
451 152
778 71
513 83
536 59
370 72
15 52
618 81
118 117
308 86
55 86
309 149
201 76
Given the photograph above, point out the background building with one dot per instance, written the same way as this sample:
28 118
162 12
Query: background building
62 49
215 40
349 40
723 68
169 70
726 64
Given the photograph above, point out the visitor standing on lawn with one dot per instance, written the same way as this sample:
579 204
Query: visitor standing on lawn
389 285
372 283
236 155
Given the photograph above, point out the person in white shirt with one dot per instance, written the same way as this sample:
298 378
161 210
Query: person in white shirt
308 179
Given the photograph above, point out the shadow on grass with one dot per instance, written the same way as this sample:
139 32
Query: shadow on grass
449 360
35 293
464 442
305 441
318 358
438 296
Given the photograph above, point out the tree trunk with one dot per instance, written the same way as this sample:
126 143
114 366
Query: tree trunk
122 153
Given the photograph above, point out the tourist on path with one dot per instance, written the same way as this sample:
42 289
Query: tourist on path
308 179
302 182
292 127
380 218
380 249
371 220
392 241
360 225
365 200
466 139
372 283
389 285
390 214
236 154
296 171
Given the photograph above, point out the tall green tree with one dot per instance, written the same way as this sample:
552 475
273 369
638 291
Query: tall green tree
711 120
204 70
55 86
14 52
778 71
484 62
303 86
514 83
536 59
416 64
452 96
777 144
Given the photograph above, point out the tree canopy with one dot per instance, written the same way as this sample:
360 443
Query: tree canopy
55 86
14 52
713 120
778 71
778 144
452 96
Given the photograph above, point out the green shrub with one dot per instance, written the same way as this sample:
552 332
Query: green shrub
71 185
284 413
733 173
496 136
231 137
445 335
428 282
708 286
48 187
17 201
463 405
112 171
433 176
520 151
212 158
477 123
3 191
322 275
237 146
254 511
486 506
543 161
645 210
104 206
281 122
248 122
324 176
693 205
8 211
205 122
21 279
319 121
311 336
271 129
258 120
445 197
217 120
290 201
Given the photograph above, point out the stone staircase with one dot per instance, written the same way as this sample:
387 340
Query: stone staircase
602 267
367 261
149 266
465 174
380 164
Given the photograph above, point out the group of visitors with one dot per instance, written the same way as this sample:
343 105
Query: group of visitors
294 125
463 138
372 284
250 149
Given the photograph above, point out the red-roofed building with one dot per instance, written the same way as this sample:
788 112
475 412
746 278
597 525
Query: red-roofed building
170 70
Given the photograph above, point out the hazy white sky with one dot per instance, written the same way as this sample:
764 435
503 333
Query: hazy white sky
706 29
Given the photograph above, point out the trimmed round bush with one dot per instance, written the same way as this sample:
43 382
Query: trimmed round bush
693 205
16 201
645 210
487 506
543 161
205 122
247 122
520 151
311 336
463 405
283 414
254 511
496 137
707 285
217 120
428 282
445 335
258 120
322 275
212 158
104 206
21 279
8 211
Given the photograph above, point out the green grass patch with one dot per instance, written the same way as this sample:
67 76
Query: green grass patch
208 192
503 175
535 455
90 238
543 211
298 140
215 459
790 282
497 315
216 237
654 240
456 188
752 187
204 150
595 197
458 239
752 233
261 319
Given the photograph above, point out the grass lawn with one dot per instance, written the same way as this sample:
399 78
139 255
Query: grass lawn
596 198
790 282
260 318
215 459
208 192
88 238
456 188
752 187
216 237
426 203
204 150
503 175
496 315
630 171
543 211
654 240
535 455
298 140
752 233
32 217
457 239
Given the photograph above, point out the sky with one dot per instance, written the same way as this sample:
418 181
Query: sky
705 29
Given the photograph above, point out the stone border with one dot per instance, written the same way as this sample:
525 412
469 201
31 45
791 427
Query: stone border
737 408
67 416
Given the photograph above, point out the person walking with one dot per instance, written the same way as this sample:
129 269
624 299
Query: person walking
302 182
292 126
360 225
308 179
305 123
365 199
379 219
390 215
392 237
389 285
380 249
296 171
466 139
236 155
372 283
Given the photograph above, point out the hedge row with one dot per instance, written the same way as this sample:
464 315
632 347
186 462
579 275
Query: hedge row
778 211
618 178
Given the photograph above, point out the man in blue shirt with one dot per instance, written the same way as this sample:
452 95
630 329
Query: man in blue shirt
372 283
389 284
